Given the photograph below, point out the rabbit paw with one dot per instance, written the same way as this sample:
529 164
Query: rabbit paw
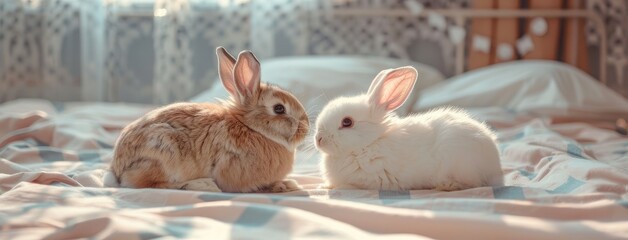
345 186
287 185
451 186
201 184
337 186
325 186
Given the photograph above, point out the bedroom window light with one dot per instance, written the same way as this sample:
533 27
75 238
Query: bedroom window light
32 3
227 3
145 8
161 12
140 2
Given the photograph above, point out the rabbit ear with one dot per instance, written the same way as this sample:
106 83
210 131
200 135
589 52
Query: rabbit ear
377 79
247 74
225 70
392 88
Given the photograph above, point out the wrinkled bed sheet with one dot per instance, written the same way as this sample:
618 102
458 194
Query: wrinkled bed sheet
564 181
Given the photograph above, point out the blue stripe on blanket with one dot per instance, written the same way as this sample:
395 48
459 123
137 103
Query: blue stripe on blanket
568 186
621 152
549 158
37 205
508 192
149 235
49 155
512 111
623 203
89 156
95 192
502 146
59 106
211 197
178 228
389 197
103 144
37 142
275 198
518 136
574 151
529 175
256 215
21 145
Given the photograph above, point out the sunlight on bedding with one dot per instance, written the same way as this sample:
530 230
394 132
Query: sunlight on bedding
74 74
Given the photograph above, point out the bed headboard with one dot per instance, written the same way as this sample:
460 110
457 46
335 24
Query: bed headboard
466 51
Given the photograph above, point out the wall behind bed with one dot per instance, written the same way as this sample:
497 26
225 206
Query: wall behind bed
162 51
573 41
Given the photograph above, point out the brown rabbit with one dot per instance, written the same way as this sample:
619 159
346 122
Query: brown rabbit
245 144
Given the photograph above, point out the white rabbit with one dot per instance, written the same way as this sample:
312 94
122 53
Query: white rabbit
365 145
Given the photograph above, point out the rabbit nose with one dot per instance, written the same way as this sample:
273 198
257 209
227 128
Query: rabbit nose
319 140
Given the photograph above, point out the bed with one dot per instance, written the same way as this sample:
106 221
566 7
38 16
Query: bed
566 180
563 147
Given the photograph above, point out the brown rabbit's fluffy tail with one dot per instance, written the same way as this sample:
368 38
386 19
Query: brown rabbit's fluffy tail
141 173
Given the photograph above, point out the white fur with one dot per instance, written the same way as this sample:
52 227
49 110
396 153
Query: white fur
442 149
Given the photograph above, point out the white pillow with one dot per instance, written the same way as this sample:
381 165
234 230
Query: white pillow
538 86
317 79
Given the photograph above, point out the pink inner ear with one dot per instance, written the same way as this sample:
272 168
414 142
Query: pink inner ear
247 74
396 88
226 63
226 76
253 70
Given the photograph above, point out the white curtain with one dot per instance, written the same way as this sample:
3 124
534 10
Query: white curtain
163 50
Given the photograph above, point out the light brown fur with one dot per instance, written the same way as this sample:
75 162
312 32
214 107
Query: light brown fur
240 144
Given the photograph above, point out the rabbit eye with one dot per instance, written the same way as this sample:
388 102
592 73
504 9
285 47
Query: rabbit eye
347 122
279 109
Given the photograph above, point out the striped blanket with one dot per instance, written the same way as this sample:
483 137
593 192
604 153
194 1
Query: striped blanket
564 181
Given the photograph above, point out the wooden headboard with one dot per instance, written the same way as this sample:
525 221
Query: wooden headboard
502 24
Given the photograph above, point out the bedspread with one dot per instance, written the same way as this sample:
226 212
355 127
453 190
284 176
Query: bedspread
564 181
